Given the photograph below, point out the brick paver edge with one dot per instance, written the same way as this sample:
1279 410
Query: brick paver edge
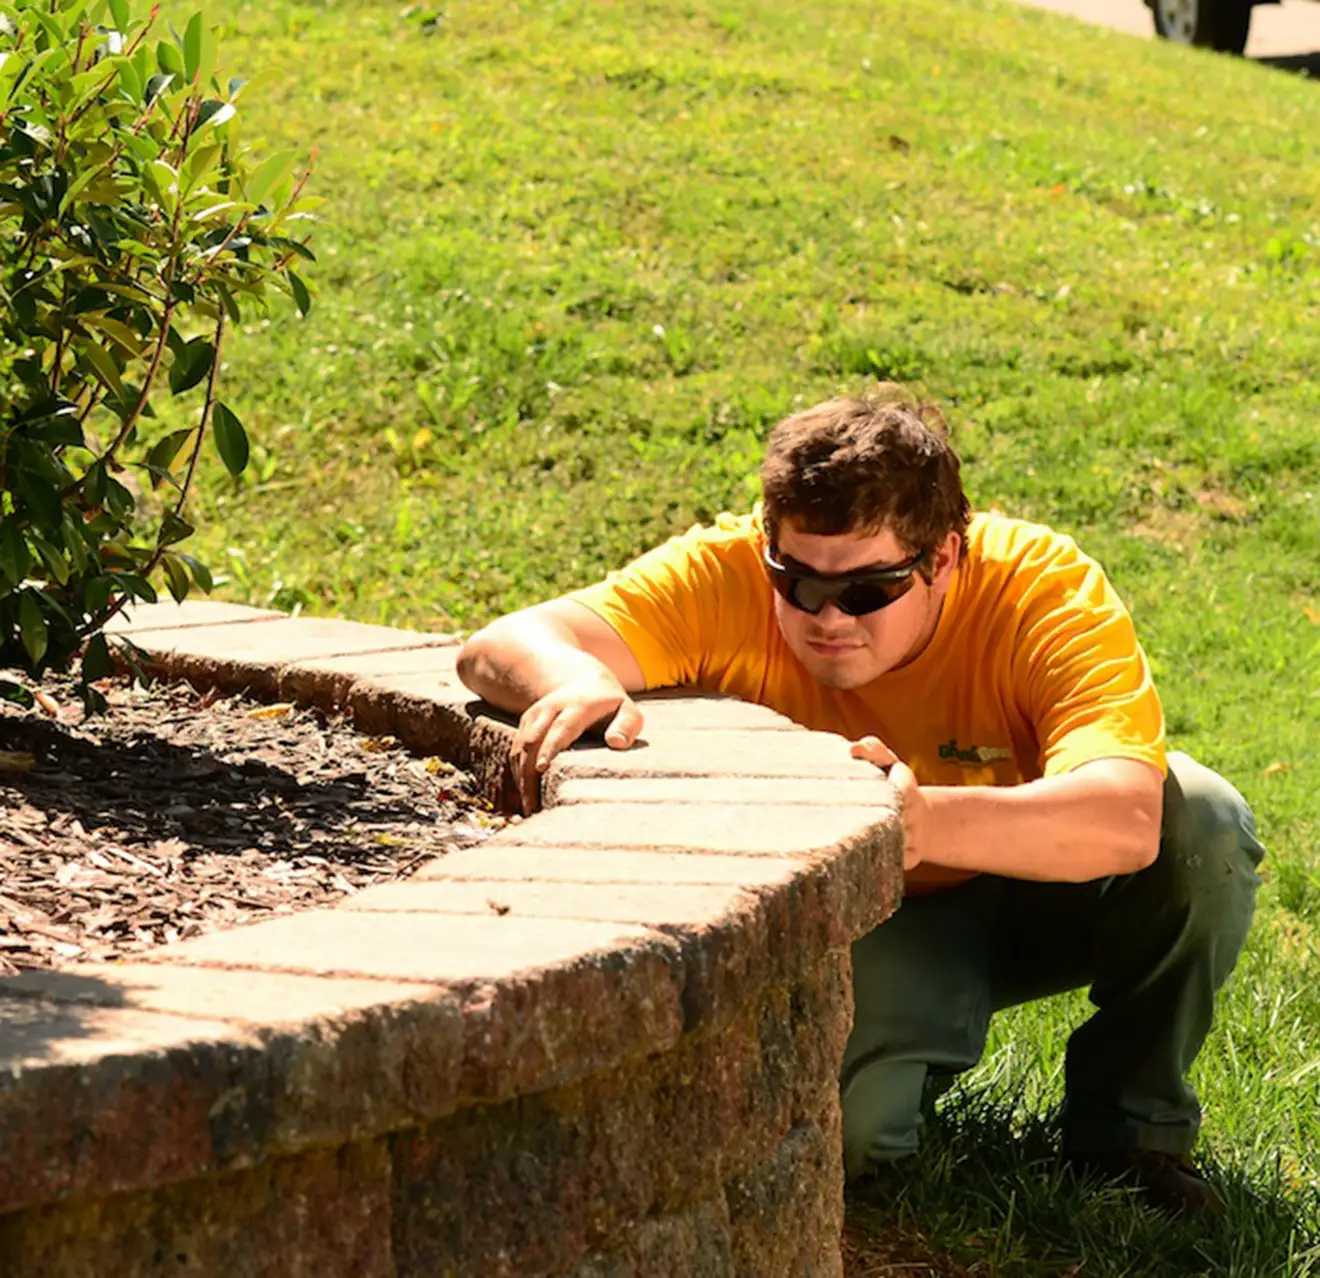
193 1082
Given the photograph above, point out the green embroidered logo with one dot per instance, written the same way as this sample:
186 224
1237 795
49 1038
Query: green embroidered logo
974 754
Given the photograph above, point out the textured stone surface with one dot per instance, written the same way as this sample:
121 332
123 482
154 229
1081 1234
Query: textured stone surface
585 1162
782 1214
720 753
684 711
649 904
251 656
96 1100
326 681
324 1215
433 719
776 791
168 615
694 1243
543 1000
249 998
506 862
701 827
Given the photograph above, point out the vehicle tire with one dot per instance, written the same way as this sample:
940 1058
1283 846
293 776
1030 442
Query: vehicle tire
1212 24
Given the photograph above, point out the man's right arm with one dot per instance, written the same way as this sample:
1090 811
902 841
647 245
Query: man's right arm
563 669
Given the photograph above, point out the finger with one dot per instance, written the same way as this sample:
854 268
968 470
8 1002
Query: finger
532 727
567 727
873 750
624 728
902 778
529 780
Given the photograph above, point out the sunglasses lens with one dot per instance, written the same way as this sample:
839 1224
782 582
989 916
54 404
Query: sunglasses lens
810 594
859 598
856 596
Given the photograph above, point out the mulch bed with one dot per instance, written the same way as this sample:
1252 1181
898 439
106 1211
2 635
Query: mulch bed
177 813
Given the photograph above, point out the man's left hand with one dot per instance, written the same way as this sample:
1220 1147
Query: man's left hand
912 806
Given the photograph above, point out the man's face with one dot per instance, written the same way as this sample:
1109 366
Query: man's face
840 651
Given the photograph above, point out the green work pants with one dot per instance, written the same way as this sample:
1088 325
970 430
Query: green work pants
1153 946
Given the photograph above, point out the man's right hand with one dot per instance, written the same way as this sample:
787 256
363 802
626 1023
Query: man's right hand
559 718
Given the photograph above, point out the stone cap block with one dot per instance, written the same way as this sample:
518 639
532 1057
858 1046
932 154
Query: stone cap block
772 791
168 615
720 753
326 681
680 710
252 656
732 828
510 862
99 1096
543 999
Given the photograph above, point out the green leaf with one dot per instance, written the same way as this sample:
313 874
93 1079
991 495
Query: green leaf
301 296
41 499
170 60
16 694
230 305
117 331
119 12
96 594
33 627
201 573
129 78
191 365
94 484
213 113
163 453
173 529
139 587
155 86
104 365
15 558
97 662
176 578
230 439
54 561
165 183
192 47
269 174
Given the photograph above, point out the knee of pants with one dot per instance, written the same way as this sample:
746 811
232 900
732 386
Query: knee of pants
881 1114
1208 845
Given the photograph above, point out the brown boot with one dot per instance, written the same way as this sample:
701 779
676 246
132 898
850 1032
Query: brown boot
1166 1181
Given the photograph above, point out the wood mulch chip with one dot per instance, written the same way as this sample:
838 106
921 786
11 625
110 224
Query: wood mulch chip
178 813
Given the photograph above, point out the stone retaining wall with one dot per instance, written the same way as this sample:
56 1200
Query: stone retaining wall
604 1043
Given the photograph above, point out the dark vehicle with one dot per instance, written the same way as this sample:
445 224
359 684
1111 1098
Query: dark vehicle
1215 24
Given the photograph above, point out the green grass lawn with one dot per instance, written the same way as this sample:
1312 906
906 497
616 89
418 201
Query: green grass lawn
578 257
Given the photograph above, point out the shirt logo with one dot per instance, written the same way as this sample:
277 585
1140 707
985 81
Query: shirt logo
973 754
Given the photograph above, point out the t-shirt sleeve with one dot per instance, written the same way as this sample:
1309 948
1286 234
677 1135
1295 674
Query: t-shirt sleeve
673 605
1085 679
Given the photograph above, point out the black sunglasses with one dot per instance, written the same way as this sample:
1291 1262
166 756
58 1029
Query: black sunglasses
855 593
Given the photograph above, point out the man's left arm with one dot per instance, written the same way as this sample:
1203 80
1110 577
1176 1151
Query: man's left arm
1100 819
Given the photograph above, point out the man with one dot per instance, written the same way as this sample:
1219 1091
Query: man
991 668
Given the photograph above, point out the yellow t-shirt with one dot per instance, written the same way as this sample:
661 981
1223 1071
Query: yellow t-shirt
1034 667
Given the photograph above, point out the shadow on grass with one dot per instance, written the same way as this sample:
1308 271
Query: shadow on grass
1306 65
987 1195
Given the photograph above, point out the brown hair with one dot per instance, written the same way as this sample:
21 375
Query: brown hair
881 460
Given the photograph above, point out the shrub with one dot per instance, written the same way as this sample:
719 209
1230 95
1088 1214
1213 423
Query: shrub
134 226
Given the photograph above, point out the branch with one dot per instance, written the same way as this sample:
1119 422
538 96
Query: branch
98 622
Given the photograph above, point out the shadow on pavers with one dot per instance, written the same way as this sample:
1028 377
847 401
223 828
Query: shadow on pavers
33 1020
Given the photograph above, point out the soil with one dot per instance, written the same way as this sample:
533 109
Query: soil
177 813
